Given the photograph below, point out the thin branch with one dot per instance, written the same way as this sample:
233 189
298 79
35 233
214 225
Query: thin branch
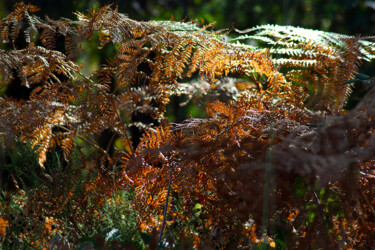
91 142
367 201
110 142
165 206
128 141
321 216
88 140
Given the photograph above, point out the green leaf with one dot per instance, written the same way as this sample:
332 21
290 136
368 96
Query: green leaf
351 81
362 76
112 234
197 206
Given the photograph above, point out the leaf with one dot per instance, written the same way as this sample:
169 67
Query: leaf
111 234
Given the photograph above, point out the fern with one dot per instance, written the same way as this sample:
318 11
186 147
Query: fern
274 98
325 61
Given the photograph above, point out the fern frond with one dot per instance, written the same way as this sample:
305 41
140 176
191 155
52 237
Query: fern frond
268 95
321 54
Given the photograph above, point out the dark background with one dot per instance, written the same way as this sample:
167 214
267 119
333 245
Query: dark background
352 17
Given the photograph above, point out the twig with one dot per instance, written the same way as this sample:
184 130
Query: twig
321 216
88 140
367 201
91 142
343 235
165 206
128 141
110 142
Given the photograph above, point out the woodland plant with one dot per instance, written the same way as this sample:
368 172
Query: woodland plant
277 161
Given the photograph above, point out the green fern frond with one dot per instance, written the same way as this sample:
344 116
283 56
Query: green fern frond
327 59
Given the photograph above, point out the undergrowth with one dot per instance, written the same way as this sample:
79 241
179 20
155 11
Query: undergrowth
92 156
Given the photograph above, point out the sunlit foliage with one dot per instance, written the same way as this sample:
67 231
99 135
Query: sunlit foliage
277 161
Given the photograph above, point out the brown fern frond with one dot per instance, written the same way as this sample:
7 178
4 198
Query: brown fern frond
48 38
17 21
209 148
268 125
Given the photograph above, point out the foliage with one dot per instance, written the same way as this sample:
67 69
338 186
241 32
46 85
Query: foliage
270 165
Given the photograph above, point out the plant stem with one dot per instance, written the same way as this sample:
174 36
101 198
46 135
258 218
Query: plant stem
165 206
